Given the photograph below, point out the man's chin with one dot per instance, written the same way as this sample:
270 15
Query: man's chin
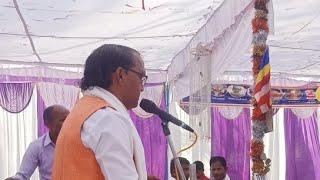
218 177
133 106
136 103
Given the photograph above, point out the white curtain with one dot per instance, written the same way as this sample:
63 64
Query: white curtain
230 113
275 148
17 131
53 93
181 139
303 113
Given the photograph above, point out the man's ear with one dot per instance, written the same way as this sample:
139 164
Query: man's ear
47 124
120 74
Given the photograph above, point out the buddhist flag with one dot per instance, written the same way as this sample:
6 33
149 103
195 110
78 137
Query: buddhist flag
262 85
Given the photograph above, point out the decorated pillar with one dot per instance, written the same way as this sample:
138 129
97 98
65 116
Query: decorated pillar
261 101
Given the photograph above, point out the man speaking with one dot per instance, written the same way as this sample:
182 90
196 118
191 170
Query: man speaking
98 139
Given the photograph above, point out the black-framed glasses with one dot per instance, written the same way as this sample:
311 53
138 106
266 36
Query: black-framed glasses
143 77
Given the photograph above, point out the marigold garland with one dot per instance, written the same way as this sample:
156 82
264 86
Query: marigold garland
257 148
257 165
260 164
259 24
260 14
256 64
258 50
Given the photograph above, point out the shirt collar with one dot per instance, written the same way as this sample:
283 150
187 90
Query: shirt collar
47 140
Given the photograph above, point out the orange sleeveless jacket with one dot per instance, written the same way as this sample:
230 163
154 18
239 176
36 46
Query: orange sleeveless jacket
72 159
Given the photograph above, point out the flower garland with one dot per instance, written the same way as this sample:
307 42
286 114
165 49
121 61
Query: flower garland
260 29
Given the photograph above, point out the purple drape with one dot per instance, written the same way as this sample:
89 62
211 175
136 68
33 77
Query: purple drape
231 139
15 97
154 143
302 147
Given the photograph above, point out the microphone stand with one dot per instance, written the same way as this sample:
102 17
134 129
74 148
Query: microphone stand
166 132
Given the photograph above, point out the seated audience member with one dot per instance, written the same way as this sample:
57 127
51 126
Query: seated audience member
185 166
218 168
40 152
200 171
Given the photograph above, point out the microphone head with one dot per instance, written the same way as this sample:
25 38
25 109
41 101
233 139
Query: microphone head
149 106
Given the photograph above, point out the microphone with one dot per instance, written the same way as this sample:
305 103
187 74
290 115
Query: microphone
151 107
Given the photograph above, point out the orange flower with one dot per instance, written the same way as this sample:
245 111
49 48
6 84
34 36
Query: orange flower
257 166
260 167
261 14
259 24
258 50
257 148
256 63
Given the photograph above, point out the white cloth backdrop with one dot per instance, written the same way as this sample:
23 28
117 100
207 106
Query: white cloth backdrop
275 148
17 131
53 93
230 112
181 139
304 112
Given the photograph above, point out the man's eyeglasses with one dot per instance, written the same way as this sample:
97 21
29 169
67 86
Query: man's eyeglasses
143 77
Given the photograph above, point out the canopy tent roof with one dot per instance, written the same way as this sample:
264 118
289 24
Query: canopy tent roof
64 33
61 34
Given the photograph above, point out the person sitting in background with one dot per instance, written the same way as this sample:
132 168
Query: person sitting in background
218 168
185 166
40 152
200 171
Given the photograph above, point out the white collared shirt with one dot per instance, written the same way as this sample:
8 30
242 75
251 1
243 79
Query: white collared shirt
40 153
113 138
